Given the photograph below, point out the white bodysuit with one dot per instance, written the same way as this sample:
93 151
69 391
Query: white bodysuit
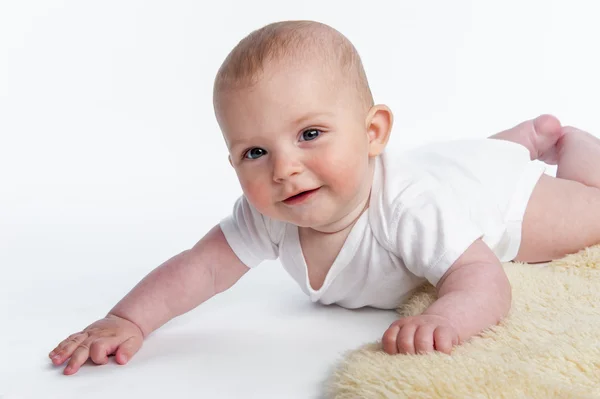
427 206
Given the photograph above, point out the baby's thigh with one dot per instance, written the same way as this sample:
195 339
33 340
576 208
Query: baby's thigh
562 217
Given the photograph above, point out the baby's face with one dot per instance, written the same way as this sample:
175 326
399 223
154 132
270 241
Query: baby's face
298 130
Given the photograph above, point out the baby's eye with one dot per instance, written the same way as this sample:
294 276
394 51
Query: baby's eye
254 153
310 134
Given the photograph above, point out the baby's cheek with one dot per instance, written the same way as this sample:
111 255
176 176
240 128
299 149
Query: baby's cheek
344 172
257 192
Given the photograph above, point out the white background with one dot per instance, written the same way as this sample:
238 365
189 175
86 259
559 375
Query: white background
111 162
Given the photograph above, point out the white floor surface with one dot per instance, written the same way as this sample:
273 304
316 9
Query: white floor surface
262 339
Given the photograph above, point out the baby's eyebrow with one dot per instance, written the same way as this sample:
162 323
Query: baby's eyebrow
308 116
236 143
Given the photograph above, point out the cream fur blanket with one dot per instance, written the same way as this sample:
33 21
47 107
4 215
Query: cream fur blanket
547 347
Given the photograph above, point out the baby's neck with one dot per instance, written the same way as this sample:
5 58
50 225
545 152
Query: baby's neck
346 222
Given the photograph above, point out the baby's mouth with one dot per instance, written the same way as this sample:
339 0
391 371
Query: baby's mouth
300 196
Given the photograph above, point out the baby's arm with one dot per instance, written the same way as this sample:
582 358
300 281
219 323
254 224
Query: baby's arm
175 287
182 283
472 295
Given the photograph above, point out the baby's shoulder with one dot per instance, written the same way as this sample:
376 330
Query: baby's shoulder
246 216
398 178
399 187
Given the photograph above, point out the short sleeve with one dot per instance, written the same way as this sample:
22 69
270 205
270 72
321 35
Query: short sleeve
431 232
252 236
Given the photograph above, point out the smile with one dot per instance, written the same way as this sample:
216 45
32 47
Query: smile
302 197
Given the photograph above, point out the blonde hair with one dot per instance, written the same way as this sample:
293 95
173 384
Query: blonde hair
292 41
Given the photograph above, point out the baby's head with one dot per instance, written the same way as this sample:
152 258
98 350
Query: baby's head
297 114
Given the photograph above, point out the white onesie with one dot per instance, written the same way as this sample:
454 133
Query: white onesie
427 206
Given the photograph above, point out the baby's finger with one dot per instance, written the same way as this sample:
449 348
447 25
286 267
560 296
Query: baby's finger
406 339
80 355
424 338
127 349
444 339
388 340
64 342
101 348
64 350
404 320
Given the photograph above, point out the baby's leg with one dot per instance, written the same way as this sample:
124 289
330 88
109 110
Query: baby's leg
562 217
538 135
563 213
578 157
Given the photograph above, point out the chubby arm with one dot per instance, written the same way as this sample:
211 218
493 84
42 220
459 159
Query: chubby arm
173 288
182 283
472 295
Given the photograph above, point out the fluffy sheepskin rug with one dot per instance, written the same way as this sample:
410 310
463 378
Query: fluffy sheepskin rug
547 347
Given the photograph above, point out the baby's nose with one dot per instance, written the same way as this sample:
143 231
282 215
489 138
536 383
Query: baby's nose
284 166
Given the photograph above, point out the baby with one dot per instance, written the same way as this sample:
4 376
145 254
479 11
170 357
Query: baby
355 225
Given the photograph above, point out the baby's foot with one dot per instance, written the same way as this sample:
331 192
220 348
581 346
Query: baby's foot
538 135
543 133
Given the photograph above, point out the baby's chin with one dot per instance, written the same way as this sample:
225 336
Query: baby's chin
303 222
306 219
326 224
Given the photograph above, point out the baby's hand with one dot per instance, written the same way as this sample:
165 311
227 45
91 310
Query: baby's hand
420 334
106 336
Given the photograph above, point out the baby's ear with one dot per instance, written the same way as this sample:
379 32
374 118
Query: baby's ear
378 123
229 159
